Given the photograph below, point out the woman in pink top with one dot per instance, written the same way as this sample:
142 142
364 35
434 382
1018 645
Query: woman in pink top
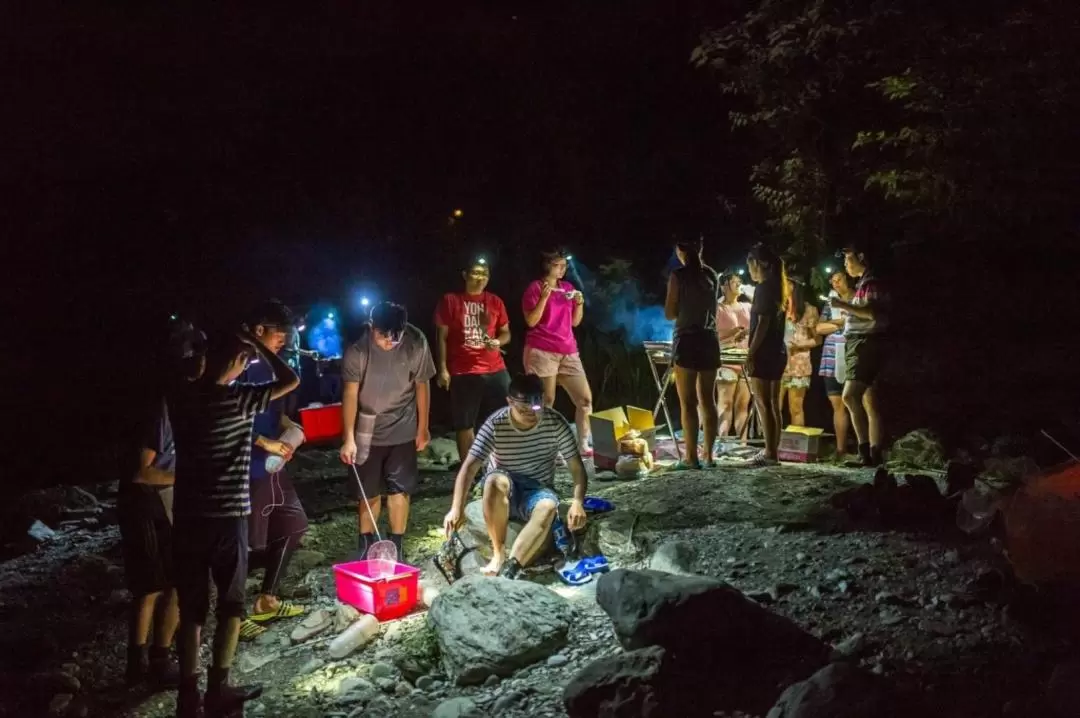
732 329
552 309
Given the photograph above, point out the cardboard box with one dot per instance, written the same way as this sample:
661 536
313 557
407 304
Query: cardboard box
608 427
802 444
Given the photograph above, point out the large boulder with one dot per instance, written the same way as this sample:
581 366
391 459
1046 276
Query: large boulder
624 685
674 557
839 690
477 529
617 535
714 634
494 626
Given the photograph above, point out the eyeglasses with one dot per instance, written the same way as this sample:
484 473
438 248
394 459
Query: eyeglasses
533 405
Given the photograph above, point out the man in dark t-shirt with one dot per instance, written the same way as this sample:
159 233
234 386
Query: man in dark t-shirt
144 510
277 521
212 420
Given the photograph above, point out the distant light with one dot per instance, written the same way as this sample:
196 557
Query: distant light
330 315
458 213
569 257
364 301
172 317
301 328
481 260
742 272
828 270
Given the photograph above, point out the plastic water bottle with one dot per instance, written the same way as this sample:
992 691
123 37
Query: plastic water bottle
563 540
365 432
358 635
294 437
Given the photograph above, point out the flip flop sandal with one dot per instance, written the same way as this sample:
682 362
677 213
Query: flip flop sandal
572 574
595 564
682 465
708 464
597 505
285 609
249 630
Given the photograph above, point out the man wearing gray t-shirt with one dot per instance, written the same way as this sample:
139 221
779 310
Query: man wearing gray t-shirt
386 374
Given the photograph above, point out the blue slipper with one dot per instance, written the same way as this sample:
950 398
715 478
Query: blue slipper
597 505
595 564
573 574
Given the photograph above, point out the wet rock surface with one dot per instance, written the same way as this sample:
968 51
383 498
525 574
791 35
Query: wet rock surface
918 605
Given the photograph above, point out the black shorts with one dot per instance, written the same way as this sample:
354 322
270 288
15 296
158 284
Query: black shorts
389 470
697 351
276 511
145 539
474 397
865 356
768 364
208 549
832 386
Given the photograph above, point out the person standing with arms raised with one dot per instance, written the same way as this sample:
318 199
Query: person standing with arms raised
472 328
212 421
552 309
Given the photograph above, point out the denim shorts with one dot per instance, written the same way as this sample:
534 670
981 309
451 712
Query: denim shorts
525 494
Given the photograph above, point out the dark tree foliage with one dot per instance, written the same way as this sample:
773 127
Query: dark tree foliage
936 118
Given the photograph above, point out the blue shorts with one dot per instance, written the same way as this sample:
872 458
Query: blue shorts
525 494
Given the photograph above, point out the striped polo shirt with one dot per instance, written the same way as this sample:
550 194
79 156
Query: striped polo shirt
828 348
212 425
528 454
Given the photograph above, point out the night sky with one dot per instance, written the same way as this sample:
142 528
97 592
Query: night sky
175 159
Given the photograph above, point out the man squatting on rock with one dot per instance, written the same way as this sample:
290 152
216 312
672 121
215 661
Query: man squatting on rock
517 446
145 516
212 422
386 373
277 521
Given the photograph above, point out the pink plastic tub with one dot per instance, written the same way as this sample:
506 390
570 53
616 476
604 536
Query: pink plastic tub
385 598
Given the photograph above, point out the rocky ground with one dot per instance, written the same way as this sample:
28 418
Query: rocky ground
906 596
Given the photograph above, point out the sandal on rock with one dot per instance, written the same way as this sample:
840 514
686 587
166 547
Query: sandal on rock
759 460
573 574
595 564
249 630
597 505
285 609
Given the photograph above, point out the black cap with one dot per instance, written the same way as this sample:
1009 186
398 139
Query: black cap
389 318
272 313
527 388
185 340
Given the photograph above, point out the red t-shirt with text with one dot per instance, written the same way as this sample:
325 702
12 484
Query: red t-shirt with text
467 316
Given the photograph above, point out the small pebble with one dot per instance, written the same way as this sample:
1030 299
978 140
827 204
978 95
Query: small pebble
382 670
557 660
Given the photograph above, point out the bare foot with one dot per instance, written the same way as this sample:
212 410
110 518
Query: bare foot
494 565
266 604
